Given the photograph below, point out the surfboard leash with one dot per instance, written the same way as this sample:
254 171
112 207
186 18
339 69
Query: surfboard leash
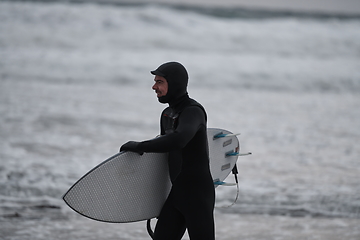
235 172
148 228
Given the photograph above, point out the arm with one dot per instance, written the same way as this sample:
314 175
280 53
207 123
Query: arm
190 120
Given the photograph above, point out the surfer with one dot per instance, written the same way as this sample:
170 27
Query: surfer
190 204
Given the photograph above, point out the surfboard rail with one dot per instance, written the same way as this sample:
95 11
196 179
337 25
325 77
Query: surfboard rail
128 187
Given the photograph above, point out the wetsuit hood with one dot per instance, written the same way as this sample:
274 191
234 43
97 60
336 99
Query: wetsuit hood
177 79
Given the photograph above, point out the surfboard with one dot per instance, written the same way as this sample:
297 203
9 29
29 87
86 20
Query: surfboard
128 187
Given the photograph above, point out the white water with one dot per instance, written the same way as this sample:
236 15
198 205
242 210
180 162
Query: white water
75 85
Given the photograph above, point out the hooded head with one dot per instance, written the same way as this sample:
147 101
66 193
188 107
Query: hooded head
177 79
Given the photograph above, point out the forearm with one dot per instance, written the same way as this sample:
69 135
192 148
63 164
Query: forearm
189 123
165 143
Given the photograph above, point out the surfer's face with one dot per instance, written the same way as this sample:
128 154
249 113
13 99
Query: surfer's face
160 86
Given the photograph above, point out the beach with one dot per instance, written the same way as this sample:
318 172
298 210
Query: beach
75 84
228 227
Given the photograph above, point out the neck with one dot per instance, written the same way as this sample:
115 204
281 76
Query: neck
179 102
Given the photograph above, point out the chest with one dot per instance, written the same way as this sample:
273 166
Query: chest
169 121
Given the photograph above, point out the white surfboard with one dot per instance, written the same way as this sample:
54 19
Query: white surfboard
128 187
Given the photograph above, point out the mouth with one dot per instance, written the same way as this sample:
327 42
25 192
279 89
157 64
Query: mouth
158 94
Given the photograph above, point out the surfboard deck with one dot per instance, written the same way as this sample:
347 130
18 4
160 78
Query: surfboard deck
128 187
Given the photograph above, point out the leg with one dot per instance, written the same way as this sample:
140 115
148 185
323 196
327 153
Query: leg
201 226
199 217
170 225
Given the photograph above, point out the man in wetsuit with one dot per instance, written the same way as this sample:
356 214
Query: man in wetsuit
190 204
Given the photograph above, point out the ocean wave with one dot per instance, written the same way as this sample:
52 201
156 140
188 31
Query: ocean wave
75 84
298 205
219 11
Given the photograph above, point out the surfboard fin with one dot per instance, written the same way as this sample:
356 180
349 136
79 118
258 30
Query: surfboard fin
231 154
219 183
222 135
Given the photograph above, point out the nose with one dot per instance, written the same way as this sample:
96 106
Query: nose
154 87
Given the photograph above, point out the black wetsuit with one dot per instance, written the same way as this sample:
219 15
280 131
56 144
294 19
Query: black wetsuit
190 204
191 201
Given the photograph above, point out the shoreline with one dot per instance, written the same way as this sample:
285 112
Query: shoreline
228 227
332 7
317 6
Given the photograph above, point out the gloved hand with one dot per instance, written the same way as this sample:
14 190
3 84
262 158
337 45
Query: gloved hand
131 146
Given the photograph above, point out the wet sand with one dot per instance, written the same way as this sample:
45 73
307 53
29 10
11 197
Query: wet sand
228 227
322 6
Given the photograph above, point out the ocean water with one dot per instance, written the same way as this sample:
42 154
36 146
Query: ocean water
75 85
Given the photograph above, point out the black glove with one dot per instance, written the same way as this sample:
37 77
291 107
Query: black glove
132 147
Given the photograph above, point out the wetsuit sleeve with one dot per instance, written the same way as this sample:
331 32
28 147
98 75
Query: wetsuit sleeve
190 120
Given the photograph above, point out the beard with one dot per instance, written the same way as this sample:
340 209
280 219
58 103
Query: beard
164 99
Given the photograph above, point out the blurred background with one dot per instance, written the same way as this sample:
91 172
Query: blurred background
75 84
